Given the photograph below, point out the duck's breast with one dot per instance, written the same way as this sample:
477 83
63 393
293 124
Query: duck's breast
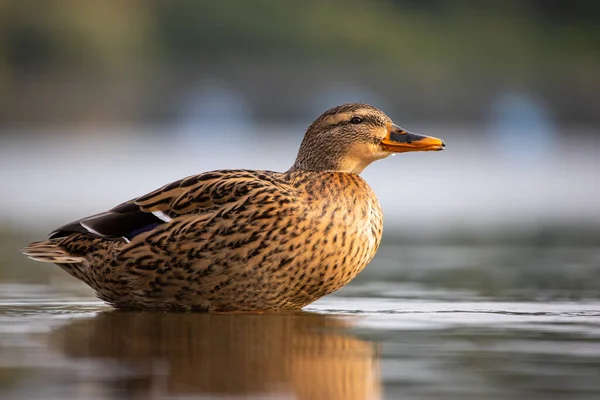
345 224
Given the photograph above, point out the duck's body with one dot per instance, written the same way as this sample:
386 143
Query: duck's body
237 240
231 239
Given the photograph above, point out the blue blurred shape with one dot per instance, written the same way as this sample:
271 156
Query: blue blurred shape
521 127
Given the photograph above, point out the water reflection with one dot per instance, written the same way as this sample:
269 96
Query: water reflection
299 355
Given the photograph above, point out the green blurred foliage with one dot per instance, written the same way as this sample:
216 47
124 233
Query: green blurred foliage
55 32
128 51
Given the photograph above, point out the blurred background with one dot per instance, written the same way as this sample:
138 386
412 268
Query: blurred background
102 101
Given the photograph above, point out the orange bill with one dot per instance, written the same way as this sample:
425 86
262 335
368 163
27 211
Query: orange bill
400 140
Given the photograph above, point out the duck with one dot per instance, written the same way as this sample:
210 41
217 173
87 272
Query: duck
241 240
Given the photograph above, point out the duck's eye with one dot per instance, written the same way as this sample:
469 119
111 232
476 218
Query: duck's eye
356 120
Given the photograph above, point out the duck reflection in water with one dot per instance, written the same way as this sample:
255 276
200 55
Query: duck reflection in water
288 355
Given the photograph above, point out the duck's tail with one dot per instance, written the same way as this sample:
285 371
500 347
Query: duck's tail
50 251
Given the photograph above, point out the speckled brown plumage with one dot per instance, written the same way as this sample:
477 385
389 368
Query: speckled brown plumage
240 239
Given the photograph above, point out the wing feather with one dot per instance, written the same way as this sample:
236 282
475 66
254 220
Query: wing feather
195 194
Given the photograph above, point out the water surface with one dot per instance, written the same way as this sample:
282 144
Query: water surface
422 322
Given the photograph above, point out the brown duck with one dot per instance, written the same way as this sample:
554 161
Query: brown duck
242 240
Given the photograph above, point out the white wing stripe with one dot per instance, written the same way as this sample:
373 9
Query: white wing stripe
162 216
95 232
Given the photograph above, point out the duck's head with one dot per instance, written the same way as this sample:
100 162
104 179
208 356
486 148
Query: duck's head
349 137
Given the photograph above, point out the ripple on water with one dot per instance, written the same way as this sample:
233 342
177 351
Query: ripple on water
457 345
410 314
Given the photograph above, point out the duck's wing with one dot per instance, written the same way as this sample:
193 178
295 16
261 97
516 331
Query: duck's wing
197 194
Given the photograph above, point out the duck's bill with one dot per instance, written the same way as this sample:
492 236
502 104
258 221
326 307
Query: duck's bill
400 140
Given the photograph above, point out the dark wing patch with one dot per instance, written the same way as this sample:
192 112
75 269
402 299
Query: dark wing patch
125 220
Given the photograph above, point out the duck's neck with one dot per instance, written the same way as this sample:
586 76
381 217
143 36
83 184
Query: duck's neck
327 163
335 157
314 162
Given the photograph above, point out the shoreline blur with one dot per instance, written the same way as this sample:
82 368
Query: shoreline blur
477 185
